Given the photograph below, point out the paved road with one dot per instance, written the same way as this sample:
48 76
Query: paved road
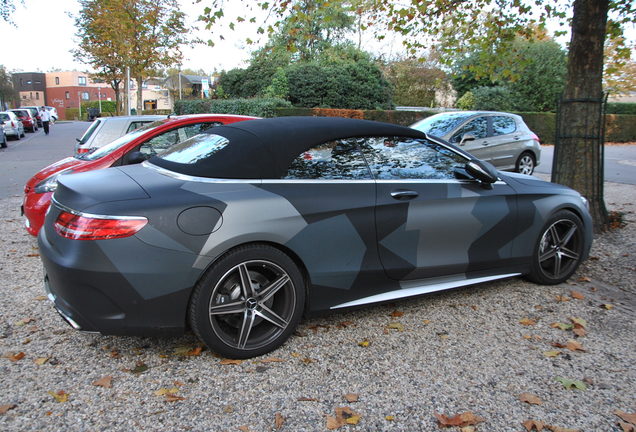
620 163
24 158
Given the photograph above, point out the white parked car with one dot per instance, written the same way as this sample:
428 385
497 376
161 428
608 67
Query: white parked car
13 127
53 112
103 130
503 139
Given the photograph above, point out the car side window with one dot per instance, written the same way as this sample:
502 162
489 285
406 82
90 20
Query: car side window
502 125
404 158
478 127
198 128
333 160
135 125
160 142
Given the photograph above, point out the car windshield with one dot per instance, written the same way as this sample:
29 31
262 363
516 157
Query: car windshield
5 117
440 124
119 142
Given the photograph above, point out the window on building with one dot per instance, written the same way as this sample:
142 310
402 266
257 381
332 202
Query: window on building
29 82
81 81
68 95
85 96
37 95
37 82
21 82
57 80
30 95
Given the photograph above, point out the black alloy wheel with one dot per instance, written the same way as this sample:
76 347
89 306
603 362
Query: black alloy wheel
559 249
249 302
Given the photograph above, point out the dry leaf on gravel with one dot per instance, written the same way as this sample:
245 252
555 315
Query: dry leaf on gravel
607 306
396 326
351 397
231 362
40 298
562 298
59 396
389 418
561 429
105 382
364 343
527 321
568 383
164 391
530 398
344 415
16 357
551 353
40 360
279 420
628 417
396 314
584 279
562 326
345 324
533 425
579 322
272 360
464 419
243 428
626 427
573 345
140 367
170 397
576 295
24 321
5 408
307 399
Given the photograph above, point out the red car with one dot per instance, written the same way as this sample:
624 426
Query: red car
131 148
27 119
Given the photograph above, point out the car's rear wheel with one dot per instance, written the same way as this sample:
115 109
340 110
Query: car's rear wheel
249 302
525 163
559 249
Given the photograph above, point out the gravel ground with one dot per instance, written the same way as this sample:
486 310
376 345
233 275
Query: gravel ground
451 352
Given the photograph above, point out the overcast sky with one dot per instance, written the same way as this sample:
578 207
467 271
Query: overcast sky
43 36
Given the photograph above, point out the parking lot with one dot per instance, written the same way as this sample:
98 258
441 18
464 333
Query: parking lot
389 367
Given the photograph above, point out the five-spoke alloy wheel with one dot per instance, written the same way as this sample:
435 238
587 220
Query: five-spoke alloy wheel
525 163
249 302
559 250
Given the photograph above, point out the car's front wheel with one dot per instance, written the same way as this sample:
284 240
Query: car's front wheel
249 302
559 249
525 163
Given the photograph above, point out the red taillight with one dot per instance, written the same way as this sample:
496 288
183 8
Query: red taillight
82 150
536 138
12 123
78 227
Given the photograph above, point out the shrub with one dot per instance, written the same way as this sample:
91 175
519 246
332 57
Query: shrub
259 107
496 98
467 101
621 108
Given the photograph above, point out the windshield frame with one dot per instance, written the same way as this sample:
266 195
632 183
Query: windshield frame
456 117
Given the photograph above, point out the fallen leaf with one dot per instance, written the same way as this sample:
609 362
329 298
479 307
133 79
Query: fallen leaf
607 306
573 345
228 409
114 354
389 418
165 391
332 423
171 397
568 383
307 399
140 367
196 351
551 353
24 321
105 382
295 354
396 326
5 408
17 357
272 360
60 396
561 429
467 429
562 326
345 324
577 295
243 428
426 322
527 321
628 417
584 279
353 420
40 298
561 298
626 427
579 322
351 397
531 425
464 419
33 255
530 398
396 314
363 343
178 383
579 331
231 362
278 420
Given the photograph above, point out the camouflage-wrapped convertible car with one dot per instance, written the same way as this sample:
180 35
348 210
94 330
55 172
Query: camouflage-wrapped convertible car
240 231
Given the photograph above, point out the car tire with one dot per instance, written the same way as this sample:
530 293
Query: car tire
249 302
525 163
559 248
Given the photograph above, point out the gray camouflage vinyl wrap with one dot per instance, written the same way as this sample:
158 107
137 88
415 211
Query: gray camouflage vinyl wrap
351 240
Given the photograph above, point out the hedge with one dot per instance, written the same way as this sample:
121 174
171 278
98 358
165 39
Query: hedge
259 107
618 128
621 108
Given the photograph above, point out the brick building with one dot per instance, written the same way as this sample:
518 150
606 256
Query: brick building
69 89
31 88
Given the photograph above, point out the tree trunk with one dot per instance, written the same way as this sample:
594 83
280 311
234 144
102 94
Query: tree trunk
140 96
115 84
578 158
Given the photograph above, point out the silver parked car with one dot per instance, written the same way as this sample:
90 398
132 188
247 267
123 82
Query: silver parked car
13 127
103 130
502 139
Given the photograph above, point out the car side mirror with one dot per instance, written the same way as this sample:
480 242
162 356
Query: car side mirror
136 157
467 137
481 171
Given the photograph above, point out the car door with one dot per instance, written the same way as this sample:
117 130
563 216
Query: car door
479 147
504 140
429 222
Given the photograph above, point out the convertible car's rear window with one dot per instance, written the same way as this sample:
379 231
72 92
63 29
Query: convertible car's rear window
195 149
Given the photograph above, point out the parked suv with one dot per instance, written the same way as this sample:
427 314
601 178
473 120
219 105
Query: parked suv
106 129
502 139
12 125
28 121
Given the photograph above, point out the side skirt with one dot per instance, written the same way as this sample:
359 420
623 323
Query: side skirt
413 288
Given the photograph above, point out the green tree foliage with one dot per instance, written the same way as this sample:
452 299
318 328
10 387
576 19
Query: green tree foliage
415 83
497 98
7 91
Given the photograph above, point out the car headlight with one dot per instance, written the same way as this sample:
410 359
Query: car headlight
49 184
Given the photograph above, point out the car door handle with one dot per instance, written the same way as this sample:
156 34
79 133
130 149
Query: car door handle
516 137
484 143
402 194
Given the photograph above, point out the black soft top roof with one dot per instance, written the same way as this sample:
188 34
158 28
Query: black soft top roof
264 148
